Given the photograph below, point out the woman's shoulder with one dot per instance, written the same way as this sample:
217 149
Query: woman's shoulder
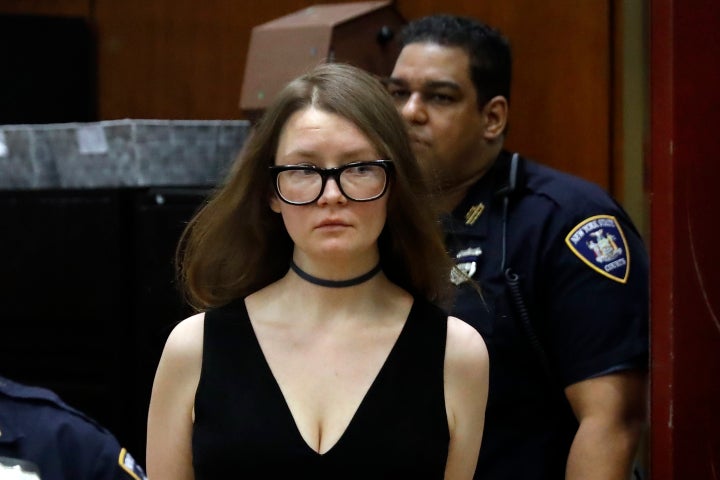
465 346
189 325
186 337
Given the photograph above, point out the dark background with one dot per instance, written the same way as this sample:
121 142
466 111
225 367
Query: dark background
88 295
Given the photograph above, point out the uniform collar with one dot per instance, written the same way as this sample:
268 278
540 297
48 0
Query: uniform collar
485 195
494 183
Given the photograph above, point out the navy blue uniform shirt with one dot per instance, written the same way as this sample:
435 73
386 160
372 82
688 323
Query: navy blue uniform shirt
36 426
582 273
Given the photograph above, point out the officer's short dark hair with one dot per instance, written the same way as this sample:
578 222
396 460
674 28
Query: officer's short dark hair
487 48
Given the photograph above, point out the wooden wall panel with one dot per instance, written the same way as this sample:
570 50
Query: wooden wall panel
177 59
171 59
185 59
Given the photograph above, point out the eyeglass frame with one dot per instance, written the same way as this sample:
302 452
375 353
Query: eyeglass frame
334 173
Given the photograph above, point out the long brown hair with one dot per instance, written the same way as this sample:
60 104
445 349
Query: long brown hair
236 244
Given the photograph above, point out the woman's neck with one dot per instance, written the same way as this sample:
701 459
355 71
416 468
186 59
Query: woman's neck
333 283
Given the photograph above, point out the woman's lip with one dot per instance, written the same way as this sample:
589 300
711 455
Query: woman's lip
332 223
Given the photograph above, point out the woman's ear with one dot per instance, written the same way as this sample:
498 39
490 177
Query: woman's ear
496 114
274 203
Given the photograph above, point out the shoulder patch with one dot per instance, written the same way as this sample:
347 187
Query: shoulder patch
600 243
130 466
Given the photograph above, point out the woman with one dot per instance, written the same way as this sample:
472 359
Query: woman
319 354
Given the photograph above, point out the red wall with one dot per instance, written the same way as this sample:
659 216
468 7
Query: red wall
685 141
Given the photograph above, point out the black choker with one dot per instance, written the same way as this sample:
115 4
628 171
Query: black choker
335 283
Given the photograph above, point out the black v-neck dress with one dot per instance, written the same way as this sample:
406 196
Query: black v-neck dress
244 429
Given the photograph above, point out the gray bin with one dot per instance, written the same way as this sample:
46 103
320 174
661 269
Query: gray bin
118 153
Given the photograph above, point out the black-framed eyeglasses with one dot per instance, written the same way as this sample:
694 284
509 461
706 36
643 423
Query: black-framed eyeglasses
358 181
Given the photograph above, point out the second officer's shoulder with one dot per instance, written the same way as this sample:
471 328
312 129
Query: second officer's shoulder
59 438
564 190
38 399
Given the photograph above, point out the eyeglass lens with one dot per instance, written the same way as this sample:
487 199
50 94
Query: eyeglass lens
360 182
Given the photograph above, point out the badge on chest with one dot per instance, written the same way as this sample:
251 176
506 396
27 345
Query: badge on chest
466 262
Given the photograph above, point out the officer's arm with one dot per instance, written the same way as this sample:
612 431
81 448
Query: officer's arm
466 390
611 410
169 439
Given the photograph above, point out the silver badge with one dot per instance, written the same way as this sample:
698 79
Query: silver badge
466 265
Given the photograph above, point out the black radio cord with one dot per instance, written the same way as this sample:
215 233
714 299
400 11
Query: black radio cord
513 281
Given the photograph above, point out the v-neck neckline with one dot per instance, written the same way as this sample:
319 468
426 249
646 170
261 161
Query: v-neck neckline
288 412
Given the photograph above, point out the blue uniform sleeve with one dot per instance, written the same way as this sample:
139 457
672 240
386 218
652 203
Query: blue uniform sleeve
595 294
100 455
63 443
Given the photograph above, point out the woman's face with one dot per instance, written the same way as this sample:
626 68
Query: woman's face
333 227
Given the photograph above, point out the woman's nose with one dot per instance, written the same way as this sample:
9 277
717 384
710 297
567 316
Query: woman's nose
332 193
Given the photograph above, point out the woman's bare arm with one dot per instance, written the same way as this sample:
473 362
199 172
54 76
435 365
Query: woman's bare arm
466 391
170 418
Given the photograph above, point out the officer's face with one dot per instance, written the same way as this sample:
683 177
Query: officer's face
432 89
